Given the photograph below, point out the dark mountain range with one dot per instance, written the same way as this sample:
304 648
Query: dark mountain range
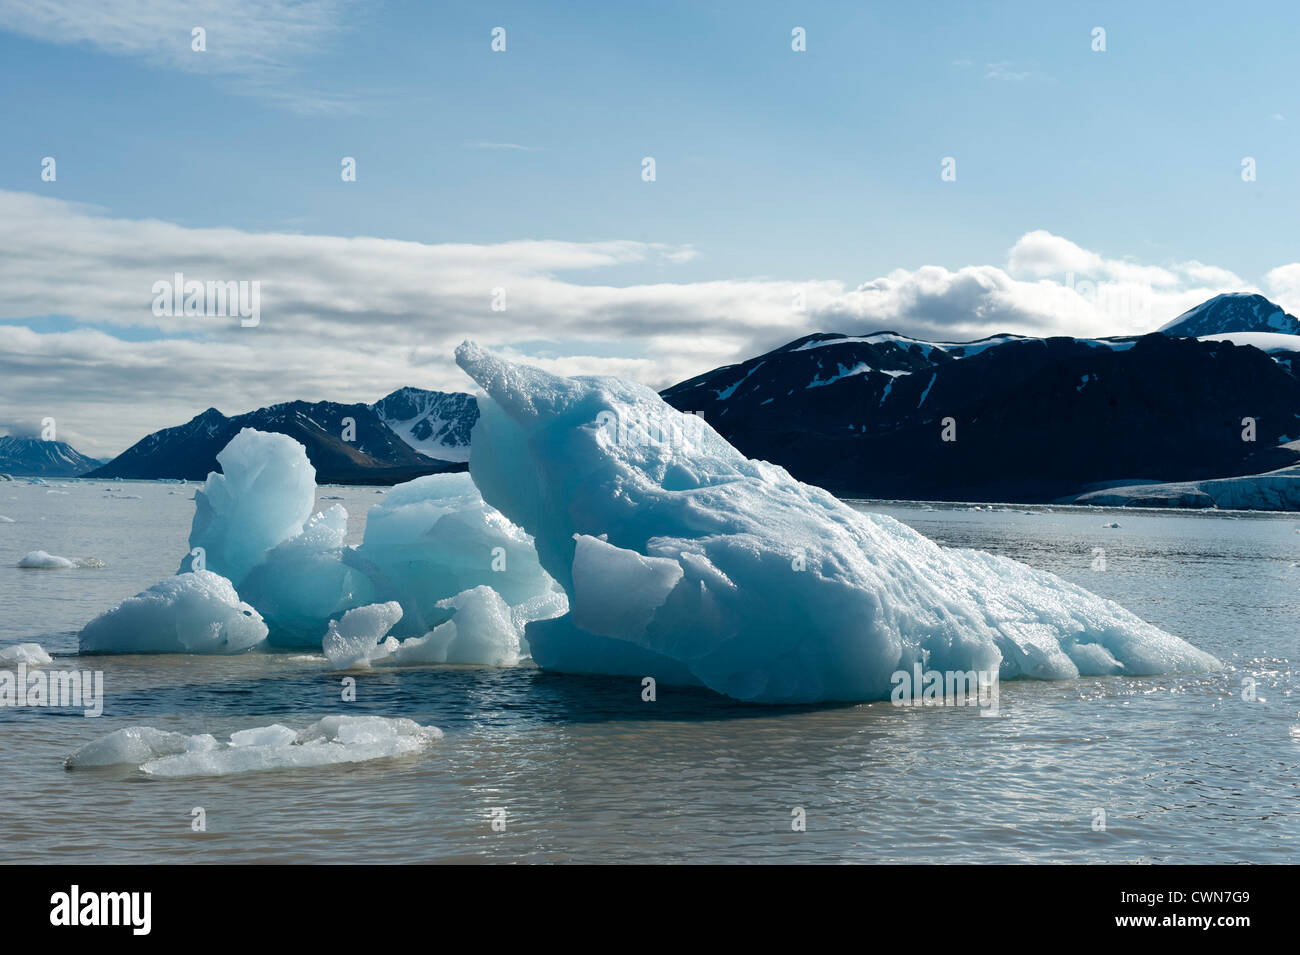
368 451
1233 312
1029 419
32 457
1004 418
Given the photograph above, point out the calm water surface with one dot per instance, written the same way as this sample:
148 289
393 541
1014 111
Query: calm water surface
1185 769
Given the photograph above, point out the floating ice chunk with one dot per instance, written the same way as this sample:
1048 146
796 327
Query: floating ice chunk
274 735
197 612
358 638
433 538
32 654
306 581
132 745
40 560
427 541
483 630
263 496
332 740
786 594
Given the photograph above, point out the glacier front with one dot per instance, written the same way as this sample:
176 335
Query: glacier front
686 561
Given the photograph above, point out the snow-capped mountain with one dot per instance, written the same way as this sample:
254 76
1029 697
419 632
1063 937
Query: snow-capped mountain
32 457
436 423
1232 312
347 444
1005 418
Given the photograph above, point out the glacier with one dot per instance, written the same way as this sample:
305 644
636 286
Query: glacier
685 561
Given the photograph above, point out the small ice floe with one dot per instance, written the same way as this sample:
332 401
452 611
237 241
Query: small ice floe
484 631
358 639
32 654
197 612
40 560
330 741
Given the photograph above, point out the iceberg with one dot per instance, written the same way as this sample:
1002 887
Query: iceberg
330 741
435 537
40 560
32 654
358 638
263 496
484 630
195 612
681 558
306 581
426 542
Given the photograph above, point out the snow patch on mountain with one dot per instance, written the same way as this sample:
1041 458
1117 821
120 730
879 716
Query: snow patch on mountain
435 423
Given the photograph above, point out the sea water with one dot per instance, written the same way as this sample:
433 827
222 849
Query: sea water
544 767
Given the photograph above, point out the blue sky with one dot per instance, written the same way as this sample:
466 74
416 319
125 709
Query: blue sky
770 162
774 169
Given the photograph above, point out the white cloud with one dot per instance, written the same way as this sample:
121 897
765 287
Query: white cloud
1005 70
351 319
1283 285
253 46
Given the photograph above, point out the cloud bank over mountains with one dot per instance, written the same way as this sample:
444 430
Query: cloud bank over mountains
350 319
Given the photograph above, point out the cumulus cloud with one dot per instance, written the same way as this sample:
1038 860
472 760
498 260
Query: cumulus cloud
350 319
1283 285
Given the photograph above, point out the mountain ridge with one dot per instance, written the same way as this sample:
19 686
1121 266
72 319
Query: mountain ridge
36 457
346 443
